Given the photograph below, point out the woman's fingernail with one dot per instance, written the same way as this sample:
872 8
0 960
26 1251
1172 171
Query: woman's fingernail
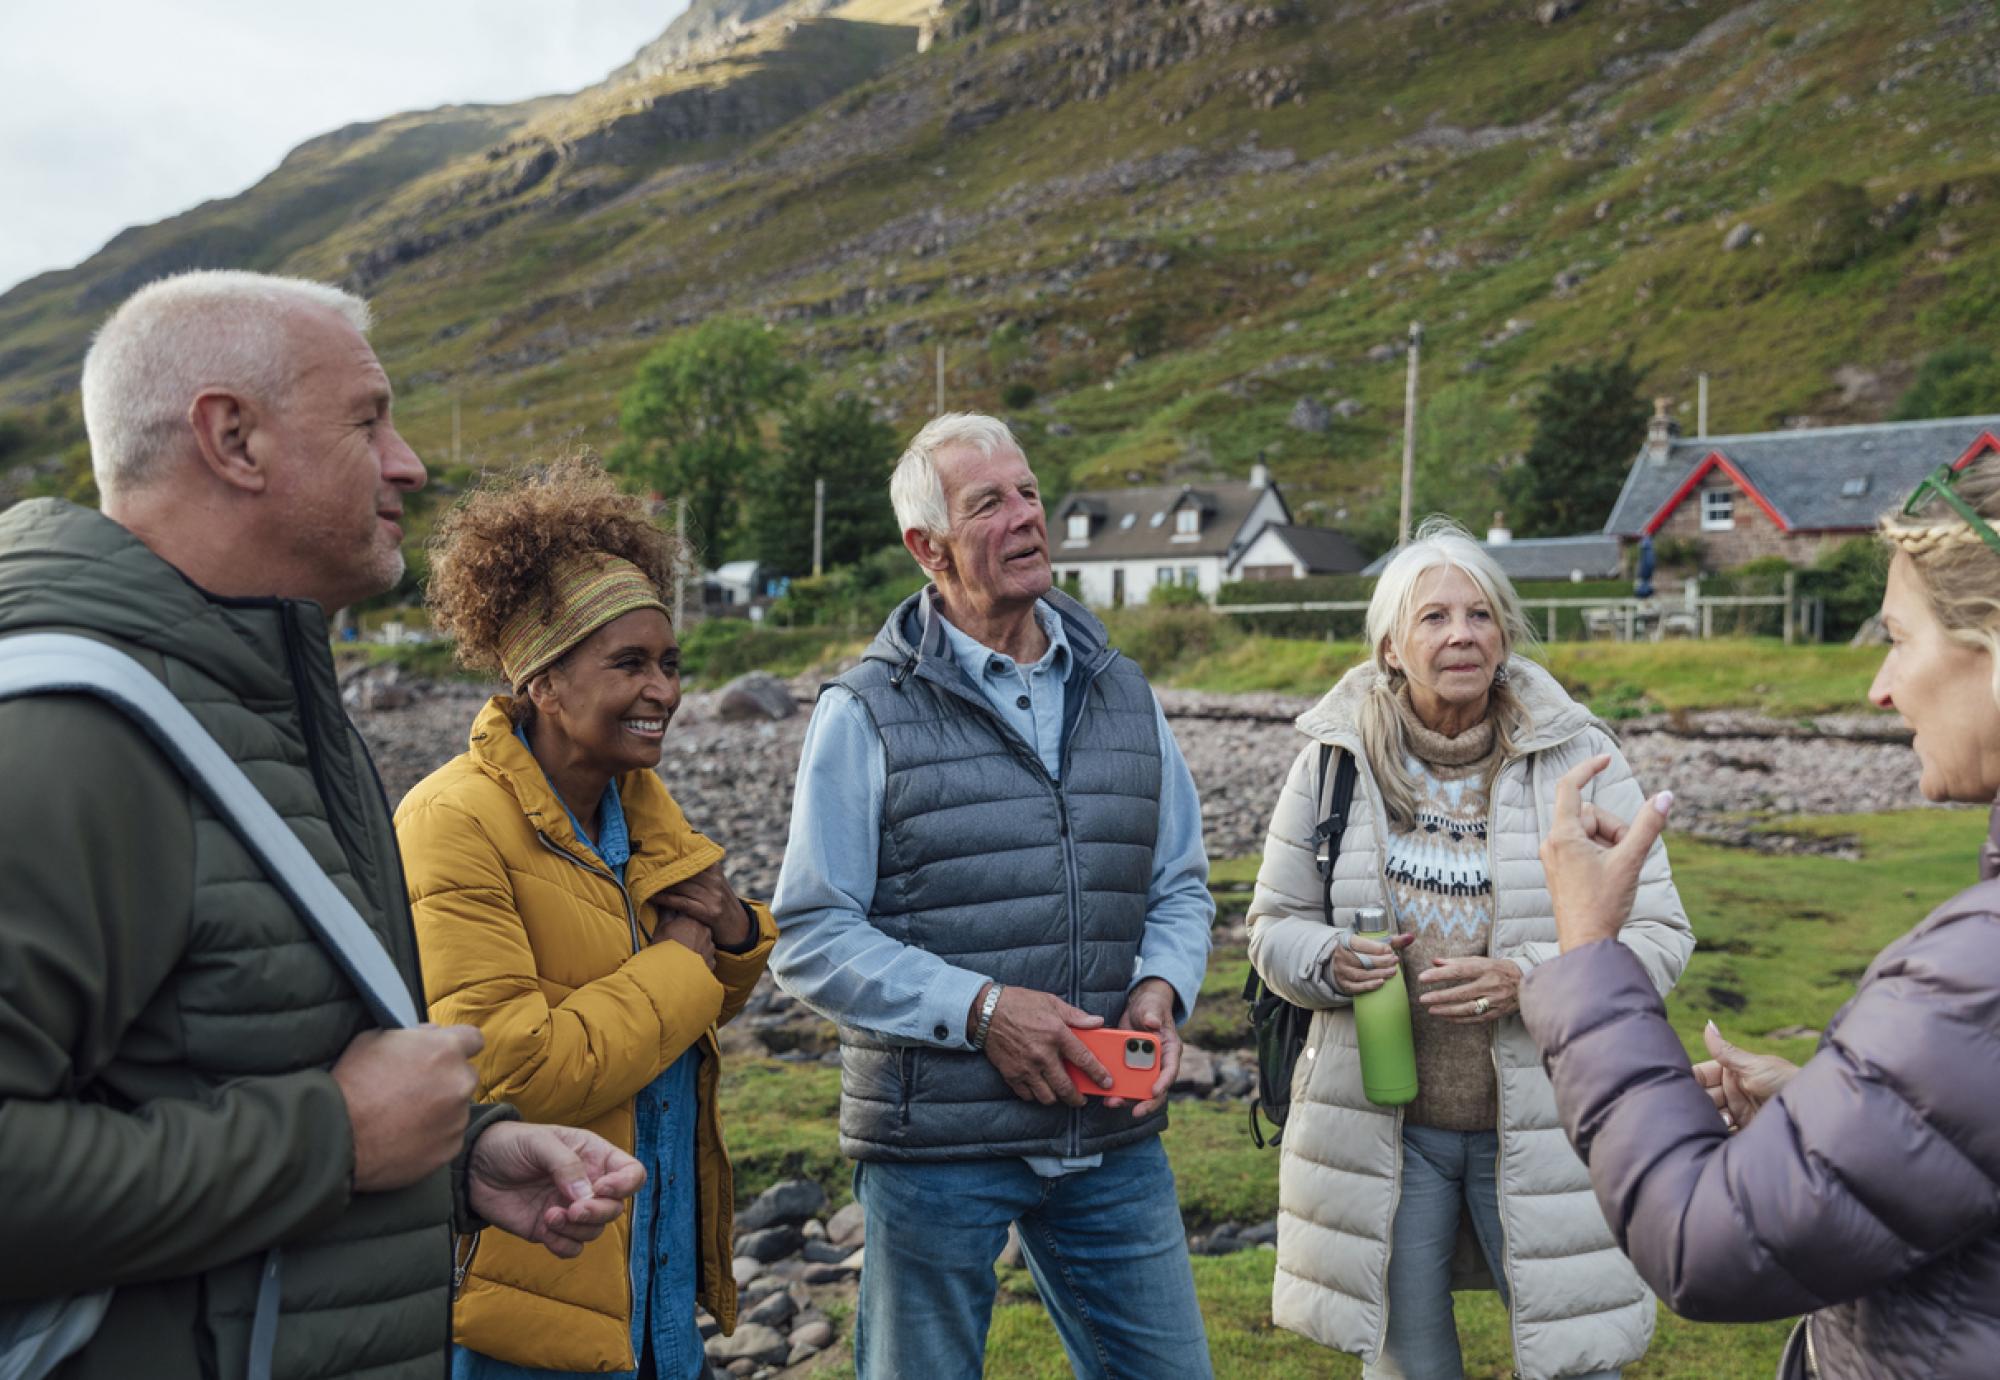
1664 802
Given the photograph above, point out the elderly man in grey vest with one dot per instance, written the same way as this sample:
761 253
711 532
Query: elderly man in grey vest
996 842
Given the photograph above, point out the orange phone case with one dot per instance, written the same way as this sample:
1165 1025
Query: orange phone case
1132 1070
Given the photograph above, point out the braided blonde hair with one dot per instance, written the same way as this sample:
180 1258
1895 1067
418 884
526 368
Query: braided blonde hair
1958 573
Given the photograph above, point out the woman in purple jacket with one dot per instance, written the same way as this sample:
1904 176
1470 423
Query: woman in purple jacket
1864 1189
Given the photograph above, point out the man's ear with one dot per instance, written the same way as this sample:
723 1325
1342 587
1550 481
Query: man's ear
927 549
223 423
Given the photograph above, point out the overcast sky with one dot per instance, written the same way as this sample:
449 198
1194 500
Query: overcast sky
123 112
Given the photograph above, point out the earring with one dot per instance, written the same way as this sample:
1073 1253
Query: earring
1500 676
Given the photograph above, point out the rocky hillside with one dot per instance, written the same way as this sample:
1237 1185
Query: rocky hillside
1167 236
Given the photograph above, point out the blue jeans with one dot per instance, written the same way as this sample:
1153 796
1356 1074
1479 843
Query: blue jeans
1105 1246
1442 1170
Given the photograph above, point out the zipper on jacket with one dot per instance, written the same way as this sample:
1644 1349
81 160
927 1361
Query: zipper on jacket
631 915
1068 840
1493 1053
1074 884
907 1071
295 665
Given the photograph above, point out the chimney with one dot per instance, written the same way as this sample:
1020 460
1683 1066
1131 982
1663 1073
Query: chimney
1499 534
1660 432
1260 475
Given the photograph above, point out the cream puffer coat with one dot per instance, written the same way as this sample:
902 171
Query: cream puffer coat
1578 1306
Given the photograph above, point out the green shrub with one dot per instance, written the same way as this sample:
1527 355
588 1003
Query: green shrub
1017 395
1160 639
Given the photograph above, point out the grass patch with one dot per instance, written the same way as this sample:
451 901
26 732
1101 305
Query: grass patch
1615 679
1235 1293
1783 940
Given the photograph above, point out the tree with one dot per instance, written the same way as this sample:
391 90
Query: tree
1957 381
839 440
1589 422
691 418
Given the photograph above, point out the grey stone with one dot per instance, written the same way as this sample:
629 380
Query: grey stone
800 1351
773 1310
753 1342
817 1334
1010 1254
782 1204
1738 236
1263 1234
772 1243
848 1226
825 1253
1309 415
1197 1071
757 695
745 1269
828 1274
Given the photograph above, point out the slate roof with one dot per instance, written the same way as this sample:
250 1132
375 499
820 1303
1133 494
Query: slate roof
1547 558
1804 476
1322 550
1113 538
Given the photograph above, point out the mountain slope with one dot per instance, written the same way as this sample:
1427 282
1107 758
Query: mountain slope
1168 223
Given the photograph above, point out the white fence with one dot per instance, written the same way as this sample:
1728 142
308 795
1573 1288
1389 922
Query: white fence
1628 620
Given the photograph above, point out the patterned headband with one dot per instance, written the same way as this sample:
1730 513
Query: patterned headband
590 591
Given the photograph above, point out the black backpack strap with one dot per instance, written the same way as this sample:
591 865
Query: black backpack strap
1333 824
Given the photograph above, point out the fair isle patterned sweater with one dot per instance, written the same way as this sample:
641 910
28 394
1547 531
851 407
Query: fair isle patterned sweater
1440 890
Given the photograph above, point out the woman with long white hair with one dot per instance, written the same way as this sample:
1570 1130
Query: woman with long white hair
1458 742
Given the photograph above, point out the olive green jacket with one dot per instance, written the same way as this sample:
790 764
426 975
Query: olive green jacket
166 1020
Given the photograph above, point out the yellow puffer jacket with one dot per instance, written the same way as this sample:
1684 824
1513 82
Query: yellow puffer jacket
524 935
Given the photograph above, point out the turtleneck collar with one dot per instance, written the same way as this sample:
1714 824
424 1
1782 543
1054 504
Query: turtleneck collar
1473 745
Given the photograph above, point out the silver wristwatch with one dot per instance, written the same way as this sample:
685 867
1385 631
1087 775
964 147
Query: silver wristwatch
985 1021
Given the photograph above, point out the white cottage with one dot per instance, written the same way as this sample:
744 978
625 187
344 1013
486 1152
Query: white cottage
1118 545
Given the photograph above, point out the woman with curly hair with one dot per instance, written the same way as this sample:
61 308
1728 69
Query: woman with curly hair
565 907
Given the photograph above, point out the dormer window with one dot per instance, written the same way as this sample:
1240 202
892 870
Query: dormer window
1079 527
1854 488
1187 522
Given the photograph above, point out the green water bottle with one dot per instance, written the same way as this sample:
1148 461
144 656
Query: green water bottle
1382 1023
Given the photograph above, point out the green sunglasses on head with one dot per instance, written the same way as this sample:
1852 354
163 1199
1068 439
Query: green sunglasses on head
1941 482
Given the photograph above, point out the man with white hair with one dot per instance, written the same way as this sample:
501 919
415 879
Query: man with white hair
194 1109
995 842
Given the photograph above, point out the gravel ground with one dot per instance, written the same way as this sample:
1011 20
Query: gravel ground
734 779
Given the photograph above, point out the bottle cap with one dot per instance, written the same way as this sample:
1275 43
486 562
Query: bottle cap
1371 918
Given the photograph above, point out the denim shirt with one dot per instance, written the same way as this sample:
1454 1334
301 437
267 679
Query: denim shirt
664 1263
829 956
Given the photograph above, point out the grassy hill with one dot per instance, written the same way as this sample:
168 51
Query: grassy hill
1168 223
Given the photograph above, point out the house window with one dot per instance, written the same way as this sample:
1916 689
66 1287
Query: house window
1163 575
1718 510
1079 527
1190 576
1187 522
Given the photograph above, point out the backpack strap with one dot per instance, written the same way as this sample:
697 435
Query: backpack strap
1333 820
65 664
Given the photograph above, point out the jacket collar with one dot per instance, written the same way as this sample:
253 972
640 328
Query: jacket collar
665 848
1553 716
914 633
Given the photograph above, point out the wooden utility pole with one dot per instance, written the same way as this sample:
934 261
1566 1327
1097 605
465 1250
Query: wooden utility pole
1410 432
1701 409
819 522
680 558
455 457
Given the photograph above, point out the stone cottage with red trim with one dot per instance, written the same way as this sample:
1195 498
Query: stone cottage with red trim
1784 493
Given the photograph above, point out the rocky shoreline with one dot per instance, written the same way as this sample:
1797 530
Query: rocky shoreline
730 764
733 777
